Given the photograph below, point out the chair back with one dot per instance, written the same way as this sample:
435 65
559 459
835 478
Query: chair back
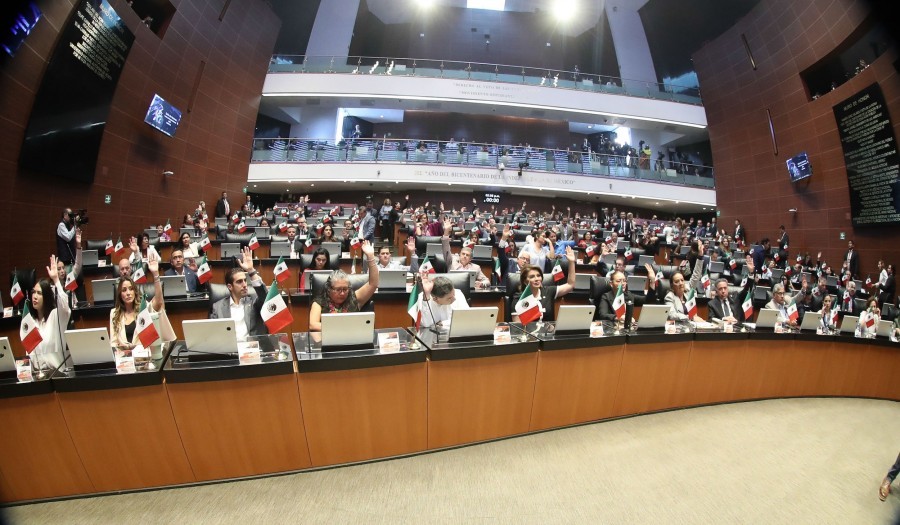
26 276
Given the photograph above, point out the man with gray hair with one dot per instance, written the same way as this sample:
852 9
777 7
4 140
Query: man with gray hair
780 303
438 300
724 308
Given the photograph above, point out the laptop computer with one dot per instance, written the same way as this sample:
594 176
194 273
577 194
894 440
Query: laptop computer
762 293
609 259
636 283
434 248
262 232
469 225
623 245
251 222
473 324
89 347
776 274
716 266
221 221
173 286
811 321
653 316
482 251
683 250
152 233
350 331
473 276
7 359
190 231
280 249
89 257
831 281
229 250
574 318
645 259
104 290
583 281
766 318
848 324
332 247
392 280
883 330
211 337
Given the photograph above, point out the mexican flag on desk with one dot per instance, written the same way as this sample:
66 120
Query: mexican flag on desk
108 250
146 331
71 281
204 272
16 291
275 312
254 243
691 303
704 280
167 229
528 308
557 272
241 227
619 303
308 244
733 264
119 249
467 243
235 218
138 275
792 312
497 268
282 227
414 308
355 242
282 273
747 305
28 331
589 250
628 254
426 266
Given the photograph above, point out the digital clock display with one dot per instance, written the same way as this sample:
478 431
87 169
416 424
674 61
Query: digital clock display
491 198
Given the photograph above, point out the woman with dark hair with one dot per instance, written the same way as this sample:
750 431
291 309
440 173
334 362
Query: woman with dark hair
46 296
191 249
338 297
328 234
141 248
532 277
677 296
320 259
123 316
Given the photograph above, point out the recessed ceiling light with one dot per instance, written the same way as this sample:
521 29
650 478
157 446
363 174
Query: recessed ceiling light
380 116
590 126
254 185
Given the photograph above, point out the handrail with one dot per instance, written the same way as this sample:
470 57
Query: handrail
483 71
607 163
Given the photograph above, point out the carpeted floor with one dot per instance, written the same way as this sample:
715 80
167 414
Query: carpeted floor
792 461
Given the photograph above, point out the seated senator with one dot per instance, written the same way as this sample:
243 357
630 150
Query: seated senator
338 297
438 300
532 279
606 312
239 305
123 316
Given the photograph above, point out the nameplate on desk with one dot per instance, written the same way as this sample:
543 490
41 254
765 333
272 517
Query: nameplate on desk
597 329
670 327
502 335
23 371
125 364
101 263
248 353
729 328
389 342
8 311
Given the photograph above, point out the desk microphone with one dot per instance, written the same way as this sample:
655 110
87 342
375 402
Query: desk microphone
431 328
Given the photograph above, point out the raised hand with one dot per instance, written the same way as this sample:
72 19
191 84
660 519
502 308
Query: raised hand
410 244
651 275
53 270
368 249
245 261
78 237
427 286
132 244
570 254
153 265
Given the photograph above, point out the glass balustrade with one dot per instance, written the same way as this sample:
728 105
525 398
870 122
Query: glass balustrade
549 78
592 164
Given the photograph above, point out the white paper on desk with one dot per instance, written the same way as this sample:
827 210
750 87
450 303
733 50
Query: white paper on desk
389 342
101 263
248 353
23 371
597 329
8 311
502 335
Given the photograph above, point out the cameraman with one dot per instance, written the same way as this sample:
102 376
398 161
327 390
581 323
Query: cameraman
65 236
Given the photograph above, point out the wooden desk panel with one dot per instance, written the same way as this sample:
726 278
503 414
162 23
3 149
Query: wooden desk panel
478 399
717 372
39 459
575 386
876 376
355 415
653 377
775 361
240 427
841 367
126 437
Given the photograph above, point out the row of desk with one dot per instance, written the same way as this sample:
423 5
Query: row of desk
187 421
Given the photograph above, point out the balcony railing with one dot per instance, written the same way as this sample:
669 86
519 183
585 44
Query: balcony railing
594 164
419 67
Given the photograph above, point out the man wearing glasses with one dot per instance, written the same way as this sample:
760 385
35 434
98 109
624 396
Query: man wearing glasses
779 302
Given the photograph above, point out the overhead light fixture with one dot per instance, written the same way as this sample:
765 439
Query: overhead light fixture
493 5
564 10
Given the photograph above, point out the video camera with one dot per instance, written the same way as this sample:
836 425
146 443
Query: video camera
80 217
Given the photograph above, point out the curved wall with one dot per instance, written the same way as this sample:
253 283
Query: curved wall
209 153
752 182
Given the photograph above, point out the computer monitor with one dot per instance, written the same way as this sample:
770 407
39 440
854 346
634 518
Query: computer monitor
348 331
473 324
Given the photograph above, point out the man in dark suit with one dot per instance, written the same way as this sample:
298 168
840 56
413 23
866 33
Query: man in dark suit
723 307
846 298
239 306
739 233
223 209
178 268
759 255
623 227
606 311
852 258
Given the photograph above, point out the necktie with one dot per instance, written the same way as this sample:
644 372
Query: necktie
226 208
725 308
